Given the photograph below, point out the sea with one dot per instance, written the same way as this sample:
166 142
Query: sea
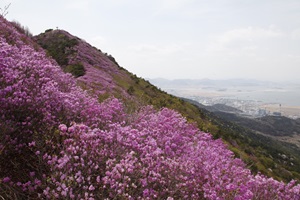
285 96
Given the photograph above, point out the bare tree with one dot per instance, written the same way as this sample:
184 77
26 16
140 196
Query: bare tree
4 11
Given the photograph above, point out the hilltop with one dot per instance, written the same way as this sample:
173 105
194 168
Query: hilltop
76 125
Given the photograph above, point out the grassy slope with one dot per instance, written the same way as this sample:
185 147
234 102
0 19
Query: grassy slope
258 152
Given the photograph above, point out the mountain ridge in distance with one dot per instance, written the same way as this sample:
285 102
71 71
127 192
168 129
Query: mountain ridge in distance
161 82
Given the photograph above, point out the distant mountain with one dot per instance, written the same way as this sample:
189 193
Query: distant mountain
223 108
269 125
182 83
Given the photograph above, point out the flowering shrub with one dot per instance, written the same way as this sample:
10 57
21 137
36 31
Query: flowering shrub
57 142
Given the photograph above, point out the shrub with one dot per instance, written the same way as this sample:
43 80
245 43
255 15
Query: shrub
130 90
48 30
76 70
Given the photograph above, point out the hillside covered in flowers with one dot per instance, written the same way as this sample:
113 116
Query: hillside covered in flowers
58 141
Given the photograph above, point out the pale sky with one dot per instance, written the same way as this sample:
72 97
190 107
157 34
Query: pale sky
186 39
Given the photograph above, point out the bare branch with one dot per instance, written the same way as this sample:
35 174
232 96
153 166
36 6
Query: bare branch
4 11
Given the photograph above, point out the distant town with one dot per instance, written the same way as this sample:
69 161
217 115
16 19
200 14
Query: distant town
249 108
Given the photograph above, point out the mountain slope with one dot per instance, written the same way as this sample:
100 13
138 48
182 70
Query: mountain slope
269 125
59 142
69 51
104 77
261 152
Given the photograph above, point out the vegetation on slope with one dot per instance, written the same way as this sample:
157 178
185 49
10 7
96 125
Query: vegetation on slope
60 47
59 142
259 153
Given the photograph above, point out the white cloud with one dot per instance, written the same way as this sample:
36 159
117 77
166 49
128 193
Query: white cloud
249 34
78 5
151 49
98 41
243 41
296 34
174 4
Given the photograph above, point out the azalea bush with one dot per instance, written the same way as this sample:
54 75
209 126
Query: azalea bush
57 142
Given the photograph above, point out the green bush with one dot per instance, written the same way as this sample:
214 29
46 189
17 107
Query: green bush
130 90
76 70
58 46
48 30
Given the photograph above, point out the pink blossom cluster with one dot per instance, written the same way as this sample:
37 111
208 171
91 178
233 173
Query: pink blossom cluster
12 36
157 155
69 146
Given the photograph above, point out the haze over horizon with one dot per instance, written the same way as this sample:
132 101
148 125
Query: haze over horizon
180 39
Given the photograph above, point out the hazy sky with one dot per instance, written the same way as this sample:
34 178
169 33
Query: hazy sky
218 39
